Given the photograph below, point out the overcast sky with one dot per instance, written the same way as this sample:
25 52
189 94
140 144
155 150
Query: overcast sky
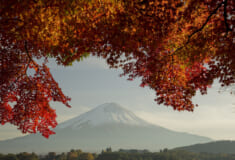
90 83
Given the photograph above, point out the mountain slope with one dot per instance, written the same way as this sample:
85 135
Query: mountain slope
106 125
212 147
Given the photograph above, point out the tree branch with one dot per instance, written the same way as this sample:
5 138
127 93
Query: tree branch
27 52
11 19
225 18
201 28
26 68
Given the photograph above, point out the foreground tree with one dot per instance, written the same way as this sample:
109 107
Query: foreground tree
177 47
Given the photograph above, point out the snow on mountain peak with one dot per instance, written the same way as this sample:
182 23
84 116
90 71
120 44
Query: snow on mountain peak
107 113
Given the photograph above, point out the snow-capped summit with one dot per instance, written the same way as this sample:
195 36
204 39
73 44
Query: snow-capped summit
107 113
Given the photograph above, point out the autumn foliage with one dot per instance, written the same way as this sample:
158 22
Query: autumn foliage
177 47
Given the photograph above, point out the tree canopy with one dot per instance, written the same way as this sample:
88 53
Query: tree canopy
175 46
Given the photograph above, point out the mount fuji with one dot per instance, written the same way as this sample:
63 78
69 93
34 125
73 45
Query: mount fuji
107 125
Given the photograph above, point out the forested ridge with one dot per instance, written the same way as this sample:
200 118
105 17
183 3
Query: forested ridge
224 146
107 154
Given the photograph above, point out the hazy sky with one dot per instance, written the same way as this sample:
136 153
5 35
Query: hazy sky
90 83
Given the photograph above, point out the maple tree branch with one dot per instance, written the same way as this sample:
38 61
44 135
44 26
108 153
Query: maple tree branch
30 58
225 18
27 52
11 19
202 27
26 68
207 20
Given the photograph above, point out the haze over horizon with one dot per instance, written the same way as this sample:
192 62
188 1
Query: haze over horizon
90 83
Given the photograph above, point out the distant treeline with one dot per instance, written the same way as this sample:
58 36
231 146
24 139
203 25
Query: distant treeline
119 155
